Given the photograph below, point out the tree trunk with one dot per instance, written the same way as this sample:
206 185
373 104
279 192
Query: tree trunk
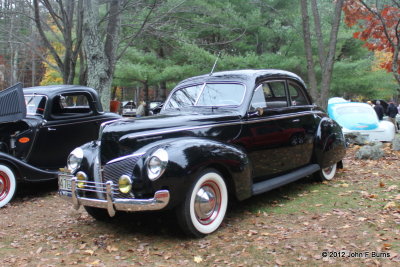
101 56
328 64
312 77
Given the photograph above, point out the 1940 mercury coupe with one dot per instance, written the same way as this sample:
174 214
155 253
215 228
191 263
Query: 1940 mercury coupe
228 134
39 127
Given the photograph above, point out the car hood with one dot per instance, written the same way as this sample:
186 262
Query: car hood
125 136
358 122
12 104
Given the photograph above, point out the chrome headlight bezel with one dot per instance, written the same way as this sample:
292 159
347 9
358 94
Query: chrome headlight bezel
156 164
75 159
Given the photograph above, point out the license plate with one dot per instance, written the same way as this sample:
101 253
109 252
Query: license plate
64 181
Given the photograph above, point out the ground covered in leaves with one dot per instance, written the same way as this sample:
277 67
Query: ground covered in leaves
353 221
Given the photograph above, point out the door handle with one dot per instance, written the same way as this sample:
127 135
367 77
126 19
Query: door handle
51 129
296 120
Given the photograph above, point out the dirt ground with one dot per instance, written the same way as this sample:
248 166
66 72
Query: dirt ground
353 221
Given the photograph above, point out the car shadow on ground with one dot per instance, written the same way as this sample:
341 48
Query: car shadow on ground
26 191
164 224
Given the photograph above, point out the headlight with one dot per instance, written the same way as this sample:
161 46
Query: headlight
75 159
157 164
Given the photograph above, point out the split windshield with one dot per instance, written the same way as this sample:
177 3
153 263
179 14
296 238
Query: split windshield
207 95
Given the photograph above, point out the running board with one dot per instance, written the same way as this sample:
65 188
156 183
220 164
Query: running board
267 185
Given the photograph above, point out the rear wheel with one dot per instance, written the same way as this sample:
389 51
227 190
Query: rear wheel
8 185
205 205
327 174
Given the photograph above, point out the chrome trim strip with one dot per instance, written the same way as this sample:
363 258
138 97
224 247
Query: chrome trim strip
103 125
126 157
256 120
74 122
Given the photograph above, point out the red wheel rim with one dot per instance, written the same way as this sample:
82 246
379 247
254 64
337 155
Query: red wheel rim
4 185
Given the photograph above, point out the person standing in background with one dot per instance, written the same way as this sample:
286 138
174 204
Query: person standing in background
379 110
140 112
392 112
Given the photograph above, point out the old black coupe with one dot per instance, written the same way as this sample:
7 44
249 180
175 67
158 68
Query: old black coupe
39 127
225 135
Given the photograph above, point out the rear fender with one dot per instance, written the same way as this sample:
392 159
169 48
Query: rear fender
330 145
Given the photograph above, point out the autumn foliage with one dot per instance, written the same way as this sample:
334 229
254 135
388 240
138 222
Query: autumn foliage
378 27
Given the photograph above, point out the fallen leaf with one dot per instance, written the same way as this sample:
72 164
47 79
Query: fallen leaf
111 249
386 246
390 205
89 252
198 259
96 262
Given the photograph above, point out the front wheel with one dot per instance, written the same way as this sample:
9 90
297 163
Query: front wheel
326 174
205 205
8 185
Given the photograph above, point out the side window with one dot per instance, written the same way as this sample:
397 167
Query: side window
275 94
70 105
297 97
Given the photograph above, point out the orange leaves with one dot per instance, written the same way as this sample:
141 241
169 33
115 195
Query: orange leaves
378 26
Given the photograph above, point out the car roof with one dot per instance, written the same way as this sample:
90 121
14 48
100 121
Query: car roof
51 90
244 75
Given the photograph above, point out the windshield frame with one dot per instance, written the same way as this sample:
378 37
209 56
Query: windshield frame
203 86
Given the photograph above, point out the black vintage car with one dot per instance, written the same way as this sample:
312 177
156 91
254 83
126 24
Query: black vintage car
39 127
230 134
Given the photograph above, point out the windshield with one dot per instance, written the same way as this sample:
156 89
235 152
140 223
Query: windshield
207 95
355 110
35 104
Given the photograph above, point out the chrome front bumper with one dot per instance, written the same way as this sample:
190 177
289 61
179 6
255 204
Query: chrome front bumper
159 201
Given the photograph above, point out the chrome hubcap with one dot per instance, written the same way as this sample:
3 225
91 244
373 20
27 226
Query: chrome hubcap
207 203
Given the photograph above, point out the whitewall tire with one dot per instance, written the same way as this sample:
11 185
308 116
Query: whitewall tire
327 174
205 205
8 185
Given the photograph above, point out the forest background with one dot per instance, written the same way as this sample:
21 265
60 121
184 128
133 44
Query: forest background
140 49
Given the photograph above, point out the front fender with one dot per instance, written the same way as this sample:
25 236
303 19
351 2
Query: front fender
330 145
188 156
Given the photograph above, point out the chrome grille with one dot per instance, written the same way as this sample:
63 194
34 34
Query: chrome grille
114 170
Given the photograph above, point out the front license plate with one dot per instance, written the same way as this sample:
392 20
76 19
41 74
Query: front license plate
64 181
